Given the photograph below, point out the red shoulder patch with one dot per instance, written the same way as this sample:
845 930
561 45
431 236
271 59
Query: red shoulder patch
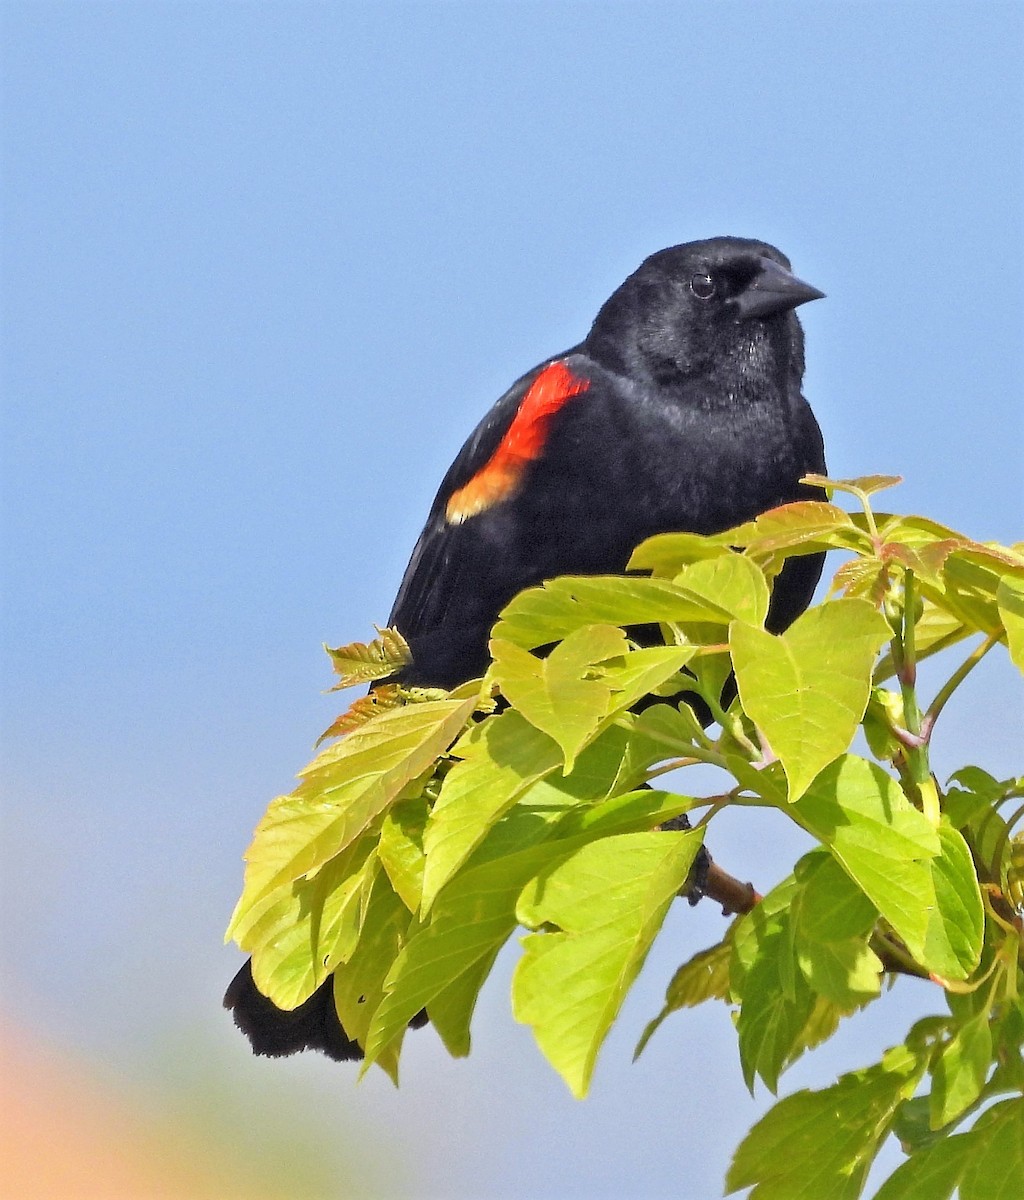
524 440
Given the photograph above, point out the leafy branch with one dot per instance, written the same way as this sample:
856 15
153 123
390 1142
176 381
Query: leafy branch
434 825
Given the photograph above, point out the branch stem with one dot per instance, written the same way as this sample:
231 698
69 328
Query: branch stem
914 740
954 681
698 753
673 764
733 895
895 957
733 727
908 665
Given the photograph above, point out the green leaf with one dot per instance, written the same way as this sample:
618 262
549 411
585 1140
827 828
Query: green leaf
883 714
846 972
558 694
358 984
630 812
363 662
451 1010
297 934
674 729
735 585
867 578
616 761
755 929
820 1145
858 808
470 920
921 879
667 553
960 1072
867 484
882 842
832 920
704 977
538 816
534 819
641 672
984 785
912 1127
830 907
1010 601
932 1173
502 757
925 561
964 808
549 613
973 578
662 732
811 525
346 787
821 1024
974 812
919 532
510 764
605 903
400 848
995 1171
808 688
710 672
956 924
776 1005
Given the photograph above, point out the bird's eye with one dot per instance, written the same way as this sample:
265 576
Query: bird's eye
702 286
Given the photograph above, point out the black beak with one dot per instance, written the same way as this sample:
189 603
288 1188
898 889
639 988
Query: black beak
773 290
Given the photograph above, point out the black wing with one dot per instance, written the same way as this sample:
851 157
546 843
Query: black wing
450 647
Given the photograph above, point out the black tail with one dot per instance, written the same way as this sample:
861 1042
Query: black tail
314 1025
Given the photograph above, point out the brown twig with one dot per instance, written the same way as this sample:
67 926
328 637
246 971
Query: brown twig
729 892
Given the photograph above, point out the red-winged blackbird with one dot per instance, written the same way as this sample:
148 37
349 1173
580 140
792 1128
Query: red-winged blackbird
680 411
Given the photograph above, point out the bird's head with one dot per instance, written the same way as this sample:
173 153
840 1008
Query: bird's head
718 311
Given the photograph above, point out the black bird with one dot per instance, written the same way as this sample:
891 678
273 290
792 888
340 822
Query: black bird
681 410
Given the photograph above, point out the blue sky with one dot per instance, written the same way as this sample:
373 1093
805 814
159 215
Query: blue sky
264 267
